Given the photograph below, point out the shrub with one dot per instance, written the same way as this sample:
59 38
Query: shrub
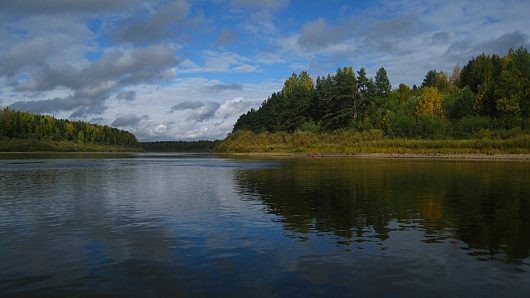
404 125
431 126
471 125
458 105
310 126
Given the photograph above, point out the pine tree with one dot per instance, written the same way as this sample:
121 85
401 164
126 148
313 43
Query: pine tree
382 84
362 82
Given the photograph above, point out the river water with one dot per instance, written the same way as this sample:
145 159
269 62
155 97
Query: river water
155 225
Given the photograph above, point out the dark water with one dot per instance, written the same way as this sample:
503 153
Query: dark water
193 225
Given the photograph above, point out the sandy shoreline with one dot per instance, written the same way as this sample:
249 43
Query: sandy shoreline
440 156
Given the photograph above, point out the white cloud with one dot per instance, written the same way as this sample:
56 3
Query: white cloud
218 62
46 40
399 36
260 4
192 108
160 129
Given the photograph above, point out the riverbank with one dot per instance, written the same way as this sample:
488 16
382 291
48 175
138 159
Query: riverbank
437 156
374 143
28 145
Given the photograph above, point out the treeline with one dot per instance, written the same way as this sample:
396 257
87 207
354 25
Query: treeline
22 125
489 93
179 146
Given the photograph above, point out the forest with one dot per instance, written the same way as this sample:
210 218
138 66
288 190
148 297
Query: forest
16 126
488 95
179 146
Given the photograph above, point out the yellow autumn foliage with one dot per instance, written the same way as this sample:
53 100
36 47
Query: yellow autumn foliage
431 102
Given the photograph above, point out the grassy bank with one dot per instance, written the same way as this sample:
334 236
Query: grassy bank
374 141
28 145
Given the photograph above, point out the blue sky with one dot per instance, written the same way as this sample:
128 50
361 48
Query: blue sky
171 70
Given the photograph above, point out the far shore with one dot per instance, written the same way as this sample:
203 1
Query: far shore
438 156
310 155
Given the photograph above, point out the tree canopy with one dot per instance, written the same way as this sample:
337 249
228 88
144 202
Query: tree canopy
22 125
489 92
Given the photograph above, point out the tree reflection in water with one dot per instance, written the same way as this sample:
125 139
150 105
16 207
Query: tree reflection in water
484 204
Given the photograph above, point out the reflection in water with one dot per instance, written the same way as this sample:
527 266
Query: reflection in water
187 225
485 205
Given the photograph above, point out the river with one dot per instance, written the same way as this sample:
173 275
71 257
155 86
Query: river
204 225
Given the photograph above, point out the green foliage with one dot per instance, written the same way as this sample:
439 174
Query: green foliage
502 84
310 126
342 104
22 125
34 145
179 146
459 104
469 126
478 72
296 93
439 80
298 83
432 126
404 92
488 93
405 125
382 84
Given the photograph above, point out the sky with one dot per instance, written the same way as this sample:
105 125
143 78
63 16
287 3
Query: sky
186 70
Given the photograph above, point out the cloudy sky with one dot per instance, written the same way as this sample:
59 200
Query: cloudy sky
173 70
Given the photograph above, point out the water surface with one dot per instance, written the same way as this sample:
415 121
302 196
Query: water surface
200 225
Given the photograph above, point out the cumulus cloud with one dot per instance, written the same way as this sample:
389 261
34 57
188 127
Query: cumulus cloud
319 34
440 38
45 106
46 40
224 87
160 129
212 115
503 43
186 105
465 49
130 120
222 61
200 111
233 107
58 6
260 4
197 111
96 109
351 35
260 21
406 37
133 66
23 56
397 27
99 120
168 21
205 112
226 36
94 84
127 96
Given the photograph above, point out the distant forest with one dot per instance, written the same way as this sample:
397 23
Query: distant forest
179 146
489 92
22 125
